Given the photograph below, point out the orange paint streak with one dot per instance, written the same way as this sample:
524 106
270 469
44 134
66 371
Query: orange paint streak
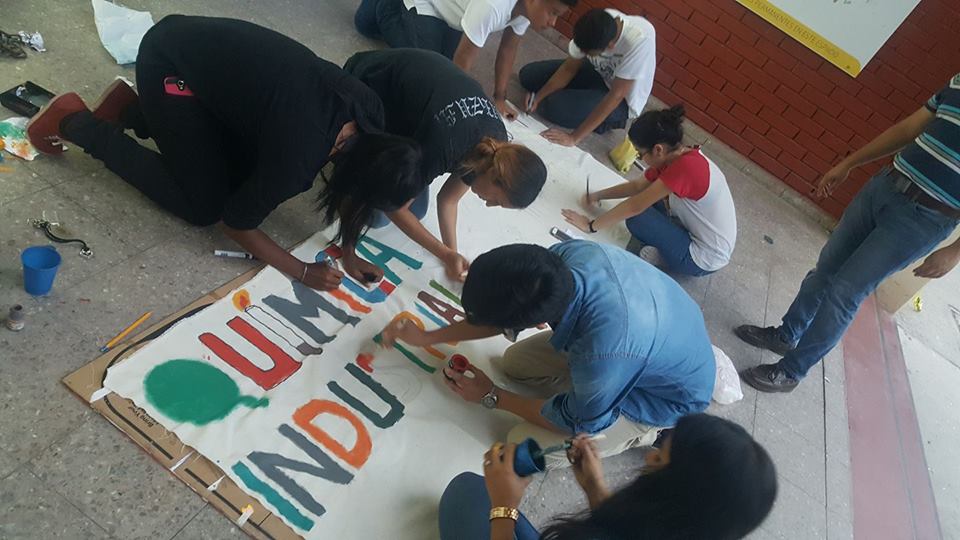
349 300
355 456
406 315
241 299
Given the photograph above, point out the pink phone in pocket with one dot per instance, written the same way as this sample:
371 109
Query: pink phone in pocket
175 86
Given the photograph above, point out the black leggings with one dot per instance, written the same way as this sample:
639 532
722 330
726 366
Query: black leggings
195 171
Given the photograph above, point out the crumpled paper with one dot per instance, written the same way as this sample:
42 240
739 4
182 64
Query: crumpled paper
121 29
34 40
13 131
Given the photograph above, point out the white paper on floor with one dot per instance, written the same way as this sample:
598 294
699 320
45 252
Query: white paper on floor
338 445
120 29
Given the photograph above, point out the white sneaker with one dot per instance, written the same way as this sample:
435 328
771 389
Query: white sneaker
652 256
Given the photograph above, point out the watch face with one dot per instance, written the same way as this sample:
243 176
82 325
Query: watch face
489 401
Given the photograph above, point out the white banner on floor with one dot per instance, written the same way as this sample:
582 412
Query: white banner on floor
273 382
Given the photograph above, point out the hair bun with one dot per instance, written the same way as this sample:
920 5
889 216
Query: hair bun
675 113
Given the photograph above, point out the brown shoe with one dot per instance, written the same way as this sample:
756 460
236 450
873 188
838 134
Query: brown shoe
43 129
113 101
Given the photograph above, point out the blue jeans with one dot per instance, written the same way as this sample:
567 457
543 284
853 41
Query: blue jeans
465 512
881 232
655 228
419 208
572 105
392 22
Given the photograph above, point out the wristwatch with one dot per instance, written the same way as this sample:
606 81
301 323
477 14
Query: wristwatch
489 400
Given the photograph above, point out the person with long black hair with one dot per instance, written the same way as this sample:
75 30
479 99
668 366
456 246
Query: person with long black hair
239 137
710 480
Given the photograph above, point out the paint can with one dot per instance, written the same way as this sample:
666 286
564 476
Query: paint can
524 462
458 363
15 320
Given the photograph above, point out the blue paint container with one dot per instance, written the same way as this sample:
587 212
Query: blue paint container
40 264
524 462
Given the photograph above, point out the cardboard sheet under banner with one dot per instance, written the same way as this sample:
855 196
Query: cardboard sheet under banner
255 394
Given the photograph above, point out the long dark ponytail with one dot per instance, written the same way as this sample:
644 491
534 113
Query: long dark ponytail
720 484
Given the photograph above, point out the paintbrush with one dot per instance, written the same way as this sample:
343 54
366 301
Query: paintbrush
565 445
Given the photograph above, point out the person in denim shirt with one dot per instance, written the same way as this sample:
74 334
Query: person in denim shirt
627 354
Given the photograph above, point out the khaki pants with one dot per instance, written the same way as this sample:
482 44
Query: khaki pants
534 362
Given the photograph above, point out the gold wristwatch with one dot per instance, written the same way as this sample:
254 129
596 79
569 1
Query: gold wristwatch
504 512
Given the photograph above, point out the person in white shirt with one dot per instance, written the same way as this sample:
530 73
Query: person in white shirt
458 29
606 80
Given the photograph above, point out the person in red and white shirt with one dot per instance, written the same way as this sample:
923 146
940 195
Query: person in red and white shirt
694 235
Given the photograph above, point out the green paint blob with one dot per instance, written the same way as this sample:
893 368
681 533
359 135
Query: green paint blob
194 391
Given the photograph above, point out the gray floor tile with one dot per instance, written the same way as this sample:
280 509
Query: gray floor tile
795 515
839 527
106 243
801 410
35 408
7 464
209 524
115 483
31 510
162 279
797 459
839 489
141 223
19 181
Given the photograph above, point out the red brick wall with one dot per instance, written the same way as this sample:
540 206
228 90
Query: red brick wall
777 102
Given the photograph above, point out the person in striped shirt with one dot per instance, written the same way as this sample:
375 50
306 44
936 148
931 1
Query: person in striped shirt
902 214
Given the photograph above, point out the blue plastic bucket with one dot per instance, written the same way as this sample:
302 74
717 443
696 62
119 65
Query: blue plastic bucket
524 464
40 264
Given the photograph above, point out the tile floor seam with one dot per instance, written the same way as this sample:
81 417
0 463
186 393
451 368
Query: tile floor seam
782 477
189 521
826 474
935 352
109 227
66 499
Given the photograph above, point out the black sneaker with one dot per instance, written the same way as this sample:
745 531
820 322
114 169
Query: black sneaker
769 378
766 338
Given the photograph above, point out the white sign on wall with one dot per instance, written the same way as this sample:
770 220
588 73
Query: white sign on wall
848 33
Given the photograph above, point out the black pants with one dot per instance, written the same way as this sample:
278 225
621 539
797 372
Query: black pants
572 105
391 21
195 171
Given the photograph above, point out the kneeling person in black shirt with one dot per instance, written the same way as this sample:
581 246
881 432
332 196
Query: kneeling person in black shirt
244 119
428 98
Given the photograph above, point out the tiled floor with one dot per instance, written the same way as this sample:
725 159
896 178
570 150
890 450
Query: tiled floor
65 472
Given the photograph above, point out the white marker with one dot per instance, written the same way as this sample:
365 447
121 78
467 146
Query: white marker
530 100
232 254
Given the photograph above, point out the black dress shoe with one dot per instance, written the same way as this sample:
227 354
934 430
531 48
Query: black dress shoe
766 338
769 378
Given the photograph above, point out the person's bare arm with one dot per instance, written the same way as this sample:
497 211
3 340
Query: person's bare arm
890 141
558 81
621 191
506 55
940 262
455 264
402 330
633 206
466 54
626 209
404 219
448 204
256 242
618 91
